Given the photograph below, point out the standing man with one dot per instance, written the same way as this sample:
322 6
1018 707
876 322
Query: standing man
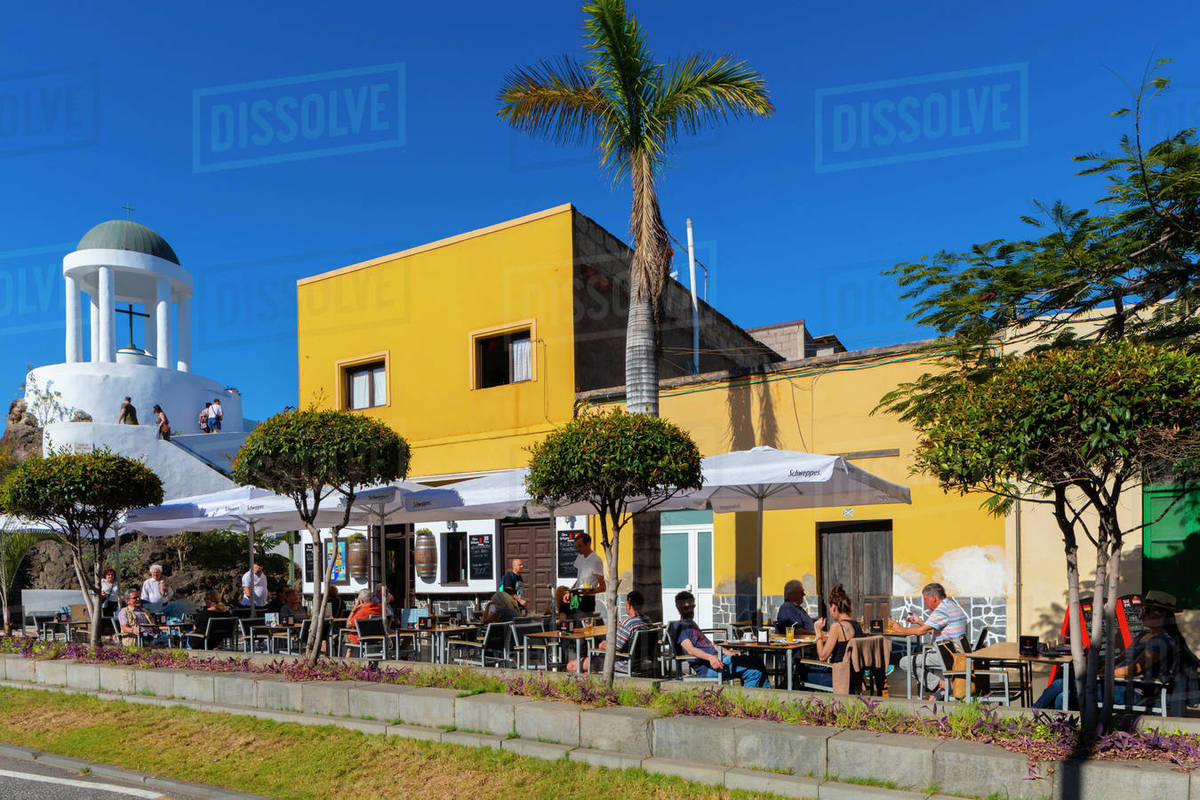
514 579
216 415
948 621
589 569
128 414
254 587
791 612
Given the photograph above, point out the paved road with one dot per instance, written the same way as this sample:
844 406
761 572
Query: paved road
28 780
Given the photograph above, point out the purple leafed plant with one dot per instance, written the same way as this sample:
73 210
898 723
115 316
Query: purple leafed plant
1042 736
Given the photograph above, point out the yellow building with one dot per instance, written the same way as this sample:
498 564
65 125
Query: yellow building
476 346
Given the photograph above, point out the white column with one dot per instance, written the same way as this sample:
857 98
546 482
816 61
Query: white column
74 331
108 317
183 330
151 336
162 312
94 327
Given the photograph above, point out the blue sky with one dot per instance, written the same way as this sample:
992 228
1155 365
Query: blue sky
789 228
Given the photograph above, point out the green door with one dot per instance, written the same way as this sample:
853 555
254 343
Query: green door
1171 542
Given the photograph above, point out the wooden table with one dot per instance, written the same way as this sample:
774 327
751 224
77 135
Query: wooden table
438 640
1010 651
778 644
580 636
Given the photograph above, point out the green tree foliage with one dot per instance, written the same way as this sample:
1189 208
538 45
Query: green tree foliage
80 496
1074 428
1133 271
621 464
15 544
321 458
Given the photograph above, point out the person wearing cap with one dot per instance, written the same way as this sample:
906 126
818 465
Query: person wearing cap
502 606
1152 655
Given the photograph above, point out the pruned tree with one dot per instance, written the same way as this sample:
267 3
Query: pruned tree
321 459
81 497
1075 429
621 464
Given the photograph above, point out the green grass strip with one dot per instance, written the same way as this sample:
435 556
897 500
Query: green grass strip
286 760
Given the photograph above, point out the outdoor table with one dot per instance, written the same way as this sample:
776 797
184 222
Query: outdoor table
908 638
440 635
777 645
267 634
1010 651
175 629
580 636
418 635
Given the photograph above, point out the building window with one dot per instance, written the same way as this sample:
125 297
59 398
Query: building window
456 557
366 385
503 358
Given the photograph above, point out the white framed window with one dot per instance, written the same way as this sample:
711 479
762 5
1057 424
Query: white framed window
366 385
503 358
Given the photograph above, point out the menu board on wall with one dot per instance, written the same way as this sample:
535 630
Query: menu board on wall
309 568
480 548
567 554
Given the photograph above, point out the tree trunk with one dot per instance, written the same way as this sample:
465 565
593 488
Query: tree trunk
320 592
1110 624
1088 712
641 359
610 597
1074 626
647 562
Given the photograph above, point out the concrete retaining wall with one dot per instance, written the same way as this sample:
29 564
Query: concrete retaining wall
793 760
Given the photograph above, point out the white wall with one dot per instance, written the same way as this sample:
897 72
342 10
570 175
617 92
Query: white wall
99 389
182 473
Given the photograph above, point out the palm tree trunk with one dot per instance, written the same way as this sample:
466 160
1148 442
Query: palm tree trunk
647 562
641 359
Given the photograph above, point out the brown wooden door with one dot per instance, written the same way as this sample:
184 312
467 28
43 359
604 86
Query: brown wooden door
533 544
859 556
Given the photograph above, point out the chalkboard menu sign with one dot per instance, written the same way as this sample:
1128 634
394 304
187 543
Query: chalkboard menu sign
1129 617
309 567
480 547
567 554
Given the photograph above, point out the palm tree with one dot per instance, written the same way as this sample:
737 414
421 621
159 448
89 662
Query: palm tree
15 544
633 108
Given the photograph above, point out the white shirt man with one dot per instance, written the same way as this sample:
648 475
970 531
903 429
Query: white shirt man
155 589
254 582
589 571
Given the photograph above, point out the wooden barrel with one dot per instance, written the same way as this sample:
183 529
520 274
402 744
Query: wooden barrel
358 559
425 555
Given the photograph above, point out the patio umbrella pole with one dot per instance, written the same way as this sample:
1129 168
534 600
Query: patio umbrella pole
758 586
250 528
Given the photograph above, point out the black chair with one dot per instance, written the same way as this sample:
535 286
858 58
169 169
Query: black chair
291 640
493 648
528 648
645 655
372 638
217 631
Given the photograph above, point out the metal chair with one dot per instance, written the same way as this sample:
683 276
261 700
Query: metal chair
493 648
217 630
644 657
290 639
372 635
245 630
525 648
681 659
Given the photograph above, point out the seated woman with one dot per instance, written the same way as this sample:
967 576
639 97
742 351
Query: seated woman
1153 655
833 636
289 605
562 603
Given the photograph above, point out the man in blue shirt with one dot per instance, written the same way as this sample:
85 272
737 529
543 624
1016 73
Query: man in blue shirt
791 611
707 660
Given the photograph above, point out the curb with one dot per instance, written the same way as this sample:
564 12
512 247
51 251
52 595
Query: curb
166 785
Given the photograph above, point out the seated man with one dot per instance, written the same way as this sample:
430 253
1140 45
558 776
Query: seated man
791 611
136 621
289 605
502 606
365 606
948 621
1152 656
633 621
707 660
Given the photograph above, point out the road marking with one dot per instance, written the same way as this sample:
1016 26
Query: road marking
103 787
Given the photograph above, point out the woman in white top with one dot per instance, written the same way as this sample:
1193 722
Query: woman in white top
155 589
